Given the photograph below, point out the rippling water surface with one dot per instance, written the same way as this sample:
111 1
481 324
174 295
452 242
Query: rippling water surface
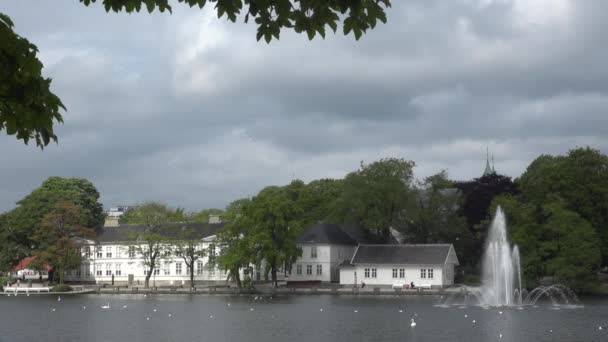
294 318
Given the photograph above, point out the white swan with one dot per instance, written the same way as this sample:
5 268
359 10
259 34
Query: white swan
413 324
107 306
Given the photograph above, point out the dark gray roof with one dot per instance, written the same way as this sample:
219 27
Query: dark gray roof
325 233
130 232
345 264
431 254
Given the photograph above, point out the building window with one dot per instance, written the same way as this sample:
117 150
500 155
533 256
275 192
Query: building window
374 273
98 270
366 273
98 252
178 268
402 273
319 269
145 272
211 251
422 273
87 252
308 269
108 269
87 270
156 270
166 269
117 270
313 252
199 268
394 273
131 251
299 269
78 273
430 273
119 252
108 252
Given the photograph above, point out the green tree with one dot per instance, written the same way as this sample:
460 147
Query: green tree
57 238
139 213
580 179
274 227
29 109
436 217
203 215
26 218
235 242
317 199
188 245
151 239
553 241
378 196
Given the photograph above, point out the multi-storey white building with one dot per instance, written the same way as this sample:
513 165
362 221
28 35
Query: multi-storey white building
113 257
324 247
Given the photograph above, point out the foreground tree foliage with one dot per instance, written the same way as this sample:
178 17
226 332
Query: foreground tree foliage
29 109
58 238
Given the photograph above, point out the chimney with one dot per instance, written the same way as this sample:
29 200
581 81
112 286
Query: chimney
214 218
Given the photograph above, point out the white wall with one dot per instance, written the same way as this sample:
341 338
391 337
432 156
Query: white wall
120 260
384 275
328 256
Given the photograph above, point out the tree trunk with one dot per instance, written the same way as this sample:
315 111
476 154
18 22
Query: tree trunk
237 277
192 275
150 270
273 273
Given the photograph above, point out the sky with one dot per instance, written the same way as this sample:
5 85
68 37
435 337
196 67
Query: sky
192 111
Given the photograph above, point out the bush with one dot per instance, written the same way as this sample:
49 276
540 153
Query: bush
61 288
472 279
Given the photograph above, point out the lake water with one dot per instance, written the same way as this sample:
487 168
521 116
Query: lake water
289 318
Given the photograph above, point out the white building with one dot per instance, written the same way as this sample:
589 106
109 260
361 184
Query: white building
324 247
426 265
113 256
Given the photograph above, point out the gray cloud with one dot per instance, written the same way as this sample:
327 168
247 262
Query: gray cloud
191 110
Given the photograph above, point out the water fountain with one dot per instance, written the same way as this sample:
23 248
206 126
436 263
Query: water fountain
501 272
501 283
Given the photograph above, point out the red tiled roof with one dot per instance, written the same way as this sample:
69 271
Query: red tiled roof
25 262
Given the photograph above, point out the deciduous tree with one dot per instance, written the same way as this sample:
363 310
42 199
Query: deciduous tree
29 109
58 239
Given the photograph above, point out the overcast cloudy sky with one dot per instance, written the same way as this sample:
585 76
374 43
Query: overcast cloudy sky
192 111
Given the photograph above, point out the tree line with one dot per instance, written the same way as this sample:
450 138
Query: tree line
557 213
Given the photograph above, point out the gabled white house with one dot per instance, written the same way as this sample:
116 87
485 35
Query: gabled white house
324 247
426 265
113 255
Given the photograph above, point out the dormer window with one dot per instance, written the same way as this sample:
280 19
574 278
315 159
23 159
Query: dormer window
313 252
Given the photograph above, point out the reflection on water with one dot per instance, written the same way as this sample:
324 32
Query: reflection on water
290 318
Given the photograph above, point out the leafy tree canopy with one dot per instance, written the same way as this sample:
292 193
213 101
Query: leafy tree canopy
57 238
150 212
29 109
378 196
579 180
